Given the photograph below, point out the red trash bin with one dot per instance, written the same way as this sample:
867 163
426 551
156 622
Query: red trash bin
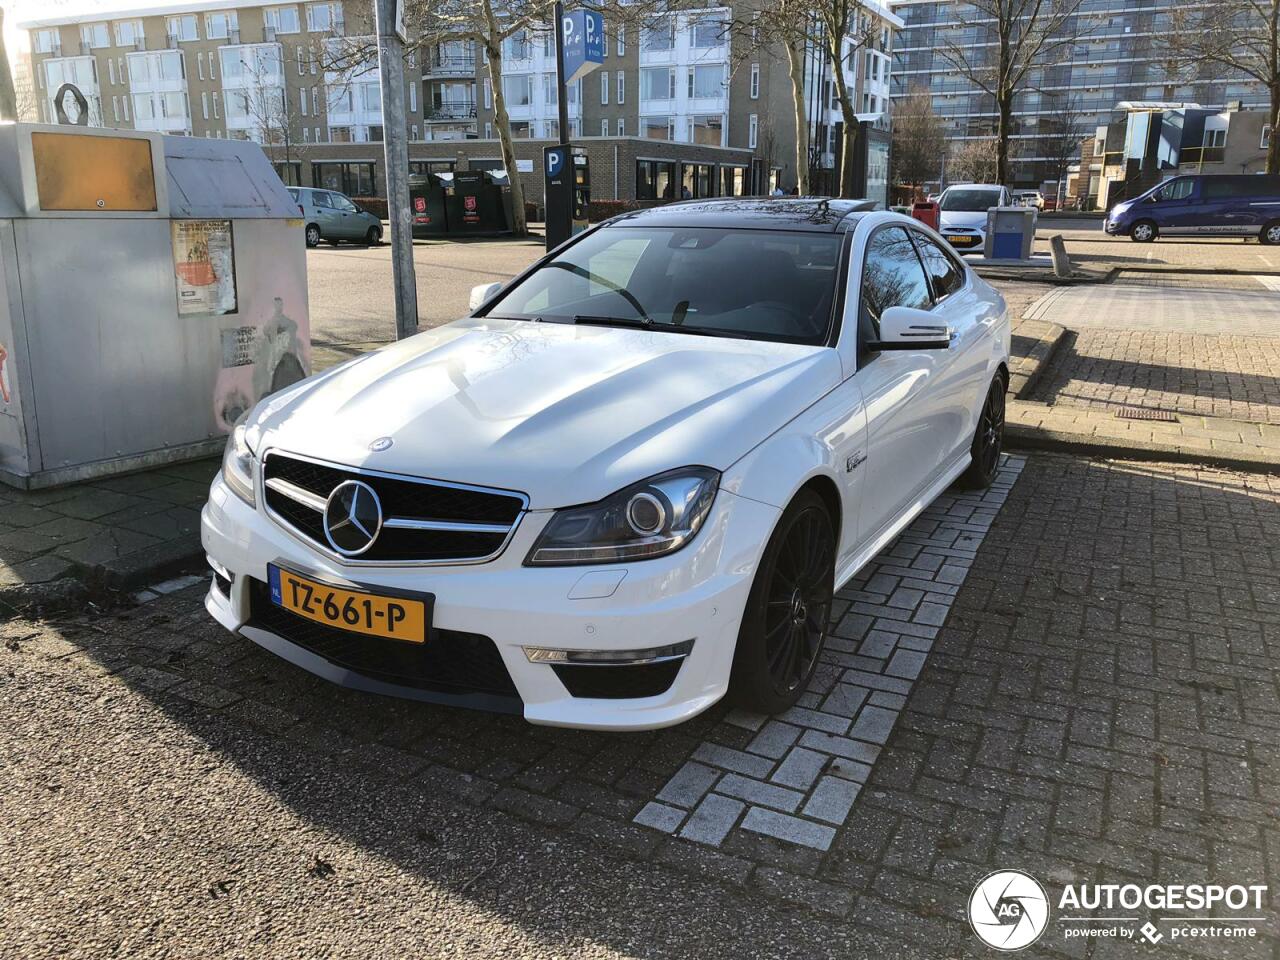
927 212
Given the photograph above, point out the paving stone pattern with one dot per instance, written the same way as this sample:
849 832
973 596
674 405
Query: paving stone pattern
1234 377
1100 706
798 776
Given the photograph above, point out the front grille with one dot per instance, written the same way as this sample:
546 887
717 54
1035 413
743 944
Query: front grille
401 499
450 662
618 682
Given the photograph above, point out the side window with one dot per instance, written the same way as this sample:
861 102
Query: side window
1178 189
322 199
891 277
343 203
945 274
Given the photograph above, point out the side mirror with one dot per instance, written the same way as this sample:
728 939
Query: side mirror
906 328
486 291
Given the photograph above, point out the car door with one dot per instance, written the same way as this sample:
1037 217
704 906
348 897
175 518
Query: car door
325 215
907 417
1177 207
962 379
350 223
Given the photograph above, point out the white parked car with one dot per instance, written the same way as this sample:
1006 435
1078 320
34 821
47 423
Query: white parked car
963 213
1029 198
631 480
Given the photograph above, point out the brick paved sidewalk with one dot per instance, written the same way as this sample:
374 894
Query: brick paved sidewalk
1099 704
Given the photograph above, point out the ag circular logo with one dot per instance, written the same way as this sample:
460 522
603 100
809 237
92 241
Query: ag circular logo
352 518
1009 910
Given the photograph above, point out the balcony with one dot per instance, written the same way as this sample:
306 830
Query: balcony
1202 155
450 110
450 67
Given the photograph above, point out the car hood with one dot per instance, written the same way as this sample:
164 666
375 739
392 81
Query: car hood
964 218
1120 208
566 414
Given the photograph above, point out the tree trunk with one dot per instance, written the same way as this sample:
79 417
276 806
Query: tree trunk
852 131
501 120
1004 129
795 68
8 98
1273 148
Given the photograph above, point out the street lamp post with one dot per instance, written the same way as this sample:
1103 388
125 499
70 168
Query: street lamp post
387 19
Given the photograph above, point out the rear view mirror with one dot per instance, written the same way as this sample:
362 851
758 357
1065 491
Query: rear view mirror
906 328
482 293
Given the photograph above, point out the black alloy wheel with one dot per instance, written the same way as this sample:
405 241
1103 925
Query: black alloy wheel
988 439
785 623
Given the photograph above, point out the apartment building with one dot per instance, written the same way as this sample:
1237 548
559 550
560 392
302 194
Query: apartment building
697 108
1115 57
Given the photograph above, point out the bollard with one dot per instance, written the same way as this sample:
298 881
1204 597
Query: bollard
1061 262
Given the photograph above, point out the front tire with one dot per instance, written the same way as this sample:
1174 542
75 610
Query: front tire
1144 231
1270 234
988 440
784 625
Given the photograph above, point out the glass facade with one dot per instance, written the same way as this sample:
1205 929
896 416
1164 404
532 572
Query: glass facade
1114 57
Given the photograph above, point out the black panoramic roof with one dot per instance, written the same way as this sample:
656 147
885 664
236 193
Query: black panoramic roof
814 214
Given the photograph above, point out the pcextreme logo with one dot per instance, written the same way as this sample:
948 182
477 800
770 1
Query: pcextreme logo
1009 910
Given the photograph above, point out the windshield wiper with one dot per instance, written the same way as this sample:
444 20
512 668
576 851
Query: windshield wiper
604 282
641 323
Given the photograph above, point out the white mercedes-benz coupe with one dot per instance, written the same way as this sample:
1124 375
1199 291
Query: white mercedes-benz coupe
631 480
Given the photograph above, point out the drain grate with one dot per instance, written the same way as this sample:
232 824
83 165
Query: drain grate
1144 413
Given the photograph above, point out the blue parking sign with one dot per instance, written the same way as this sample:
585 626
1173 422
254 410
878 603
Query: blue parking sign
583 37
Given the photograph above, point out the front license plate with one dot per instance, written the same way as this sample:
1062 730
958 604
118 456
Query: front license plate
962 241
373 614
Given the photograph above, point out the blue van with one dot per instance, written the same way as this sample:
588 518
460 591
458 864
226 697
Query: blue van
1218 206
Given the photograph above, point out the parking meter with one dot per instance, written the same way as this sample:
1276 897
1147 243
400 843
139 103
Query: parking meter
567 183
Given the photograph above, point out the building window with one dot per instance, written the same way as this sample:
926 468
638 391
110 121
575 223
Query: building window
622 127
658 83
657 128
216 113
413 98
604 88
94 35
488 131
604 127
697 181
488 94
755 81
622 87
128 32
753 130
204 105
124 102
315 101
281 19
340 135
413 131
183 28
1265 144
622 40
655 180
660 35
306 134
324 17
120 70
48 41
316 134
115 109
1215 138
706 81
708 33
111 70
218 26
298 56
302 100
708 131
517 89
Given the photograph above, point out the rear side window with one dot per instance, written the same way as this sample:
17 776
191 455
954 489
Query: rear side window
945 274
891 277
1225 188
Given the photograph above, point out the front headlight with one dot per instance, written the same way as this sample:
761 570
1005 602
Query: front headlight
648 519
238 466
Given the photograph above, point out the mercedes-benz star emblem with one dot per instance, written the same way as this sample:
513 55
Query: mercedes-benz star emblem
352 517
382 443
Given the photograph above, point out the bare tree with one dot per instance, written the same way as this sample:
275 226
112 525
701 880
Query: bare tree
1025 35
974 161
918 139
844 28
1241 37
266 102
8 98
1062 131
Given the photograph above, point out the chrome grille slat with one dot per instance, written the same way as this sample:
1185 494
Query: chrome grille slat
426 522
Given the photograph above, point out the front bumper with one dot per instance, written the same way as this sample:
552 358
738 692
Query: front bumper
697 594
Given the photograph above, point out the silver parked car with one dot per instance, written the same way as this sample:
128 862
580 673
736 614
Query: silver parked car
332 216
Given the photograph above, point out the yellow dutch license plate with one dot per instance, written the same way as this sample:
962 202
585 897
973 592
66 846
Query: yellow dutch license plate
958 240
372 614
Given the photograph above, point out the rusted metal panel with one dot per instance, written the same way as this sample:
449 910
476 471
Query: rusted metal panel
78 172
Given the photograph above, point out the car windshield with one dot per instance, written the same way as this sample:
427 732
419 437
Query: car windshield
753 284
970 201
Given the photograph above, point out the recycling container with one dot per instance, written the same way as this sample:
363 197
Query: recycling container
1011 233
153 290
